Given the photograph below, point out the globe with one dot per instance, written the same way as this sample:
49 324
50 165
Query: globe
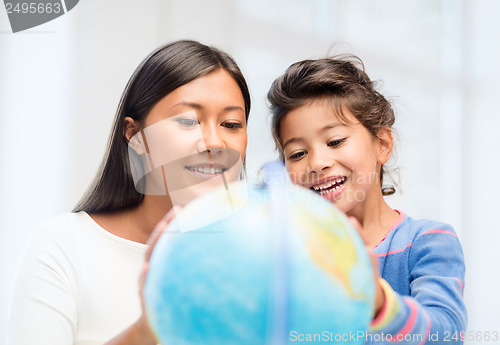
270 263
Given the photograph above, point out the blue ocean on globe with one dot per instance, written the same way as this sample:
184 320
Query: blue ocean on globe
259 264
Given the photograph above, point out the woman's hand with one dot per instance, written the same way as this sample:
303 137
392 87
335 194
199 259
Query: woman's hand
379 292
142 323
140 332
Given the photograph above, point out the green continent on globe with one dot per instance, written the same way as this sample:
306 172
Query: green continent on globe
333 251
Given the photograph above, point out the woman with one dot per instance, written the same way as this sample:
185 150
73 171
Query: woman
180 129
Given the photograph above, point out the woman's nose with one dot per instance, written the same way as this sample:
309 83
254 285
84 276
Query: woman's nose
211 139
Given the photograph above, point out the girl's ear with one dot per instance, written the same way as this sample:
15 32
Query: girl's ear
385 142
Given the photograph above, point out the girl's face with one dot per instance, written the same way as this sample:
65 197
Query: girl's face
194 138
339 161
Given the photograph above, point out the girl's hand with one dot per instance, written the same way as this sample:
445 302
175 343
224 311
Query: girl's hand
379 292
146 334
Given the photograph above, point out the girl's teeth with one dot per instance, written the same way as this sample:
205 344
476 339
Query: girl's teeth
324 191
325 187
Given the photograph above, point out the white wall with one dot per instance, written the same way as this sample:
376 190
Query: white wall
438 59
37 95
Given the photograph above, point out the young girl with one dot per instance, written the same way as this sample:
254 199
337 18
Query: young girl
180 126
333 132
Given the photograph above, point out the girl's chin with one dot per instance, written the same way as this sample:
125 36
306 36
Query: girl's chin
341 204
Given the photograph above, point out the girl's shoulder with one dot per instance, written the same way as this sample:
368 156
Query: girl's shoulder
410 233
434 245
412 227
422 236
415 239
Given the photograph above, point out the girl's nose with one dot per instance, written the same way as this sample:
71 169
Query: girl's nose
319 161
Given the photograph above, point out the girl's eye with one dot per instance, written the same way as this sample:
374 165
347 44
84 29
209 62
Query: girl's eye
187 122
297 155
337 142
232 125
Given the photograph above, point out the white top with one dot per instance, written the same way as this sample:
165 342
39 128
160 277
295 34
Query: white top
77 284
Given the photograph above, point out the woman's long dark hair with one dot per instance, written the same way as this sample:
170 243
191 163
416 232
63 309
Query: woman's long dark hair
163 71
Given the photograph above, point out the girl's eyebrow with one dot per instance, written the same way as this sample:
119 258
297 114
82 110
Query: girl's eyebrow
292 140
329 126
319 131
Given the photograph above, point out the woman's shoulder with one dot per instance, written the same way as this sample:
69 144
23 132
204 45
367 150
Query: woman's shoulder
63 220
60 226
51 250
80 232
56 235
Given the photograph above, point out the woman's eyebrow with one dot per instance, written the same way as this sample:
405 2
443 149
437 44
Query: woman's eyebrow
199 106
233 107
190 104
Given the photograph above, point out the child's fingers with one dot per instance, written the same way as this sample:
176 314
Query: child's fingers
374 260
357 225
379 292
379 295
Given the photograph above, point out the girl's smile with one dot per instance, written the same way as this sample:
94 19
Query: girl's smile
338 159
331 187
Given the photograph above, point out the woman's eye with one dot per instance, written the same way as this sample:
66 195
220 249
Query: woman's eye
232 125
187 122
337 142
297 155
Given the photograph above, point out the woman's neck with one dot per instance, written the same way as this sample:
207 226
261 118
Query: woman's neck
137 223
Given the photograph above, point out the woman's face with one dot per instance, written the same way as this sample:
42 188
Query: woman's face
194 138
